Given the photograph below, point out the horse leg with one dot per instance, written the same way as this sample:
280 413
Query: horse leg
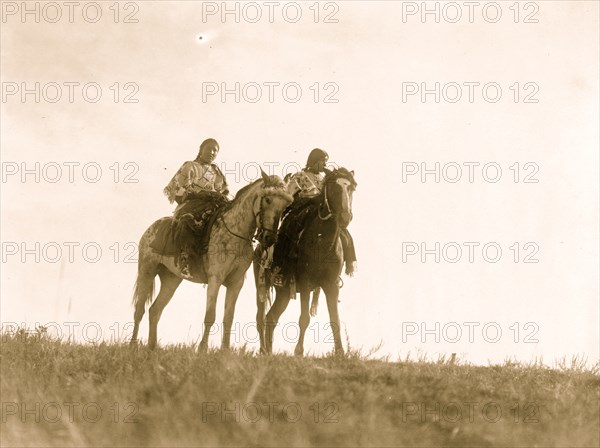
304 321
211 308
260 322
168 284
260 304
282 298
233 291
332 292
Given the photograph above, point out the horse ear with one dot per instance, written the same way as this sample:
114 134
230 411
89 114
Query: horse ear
264 175
352 172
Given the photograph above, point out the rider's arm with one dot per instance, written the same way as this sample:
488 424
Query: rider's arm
223 188
304 184
294 184
176 190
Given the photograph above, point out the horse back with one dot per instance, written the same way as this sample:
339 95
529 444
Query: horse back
160 237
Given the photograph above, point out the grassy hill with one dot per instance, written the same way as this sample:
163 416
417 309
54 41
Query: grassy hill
59 394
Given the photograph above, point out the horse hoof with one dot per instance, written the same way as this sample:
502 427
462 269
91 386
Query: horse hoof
202 348
299 352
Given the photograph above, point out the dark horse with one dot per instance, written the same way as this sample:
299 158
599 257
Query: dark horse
319 264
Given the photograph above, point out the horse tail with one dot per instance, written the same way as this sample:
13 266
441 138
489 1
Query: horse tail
144 289
314 303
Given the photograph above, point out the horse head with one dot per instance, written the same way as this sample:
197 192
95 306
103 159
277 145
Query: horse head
338 188
273 199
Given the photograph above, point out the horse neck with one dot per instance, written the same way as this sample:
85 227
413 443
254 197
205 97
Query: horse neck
328 228
240 216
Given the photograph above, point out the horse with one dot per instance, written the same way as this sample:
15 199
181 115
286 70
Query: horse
319 264
256 207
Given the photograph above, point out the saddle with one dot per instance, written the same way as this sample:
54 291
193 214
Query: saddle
188 231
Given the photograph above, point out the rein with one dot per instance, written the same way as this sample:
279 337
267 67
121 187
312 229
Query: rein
326 202
259 227
235 234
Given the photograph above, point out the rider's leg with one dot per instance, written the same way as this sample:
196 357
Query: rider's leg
349 252
284 245
286 249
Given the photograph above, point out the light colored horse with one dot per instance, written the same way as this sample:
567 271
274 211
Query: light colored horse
257 206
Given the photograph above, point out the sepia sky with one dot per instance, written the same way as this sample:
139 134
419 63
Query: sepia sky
364 61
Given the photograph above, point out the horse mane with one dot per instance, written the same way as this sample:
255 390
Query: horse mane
272 185
243 190
340 173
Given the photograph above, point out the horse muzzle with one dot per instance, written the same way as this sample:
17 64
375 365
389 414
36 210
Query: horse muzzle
267 238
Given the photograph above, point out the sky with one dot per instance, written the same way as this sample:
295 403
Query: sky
361 69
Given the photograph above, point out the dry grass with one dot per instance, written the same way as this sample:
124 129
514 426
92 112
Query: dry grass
176 397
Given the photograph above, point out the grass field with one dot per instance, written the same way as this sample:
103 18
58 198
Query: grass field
59 394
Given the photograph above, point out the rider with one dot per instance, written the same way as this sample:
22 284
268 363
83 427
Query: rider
198 187
304 185
198 175
308 182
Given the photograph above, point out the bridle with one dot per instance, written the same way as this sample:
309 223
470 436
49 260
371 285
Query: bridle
326 203
258 219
